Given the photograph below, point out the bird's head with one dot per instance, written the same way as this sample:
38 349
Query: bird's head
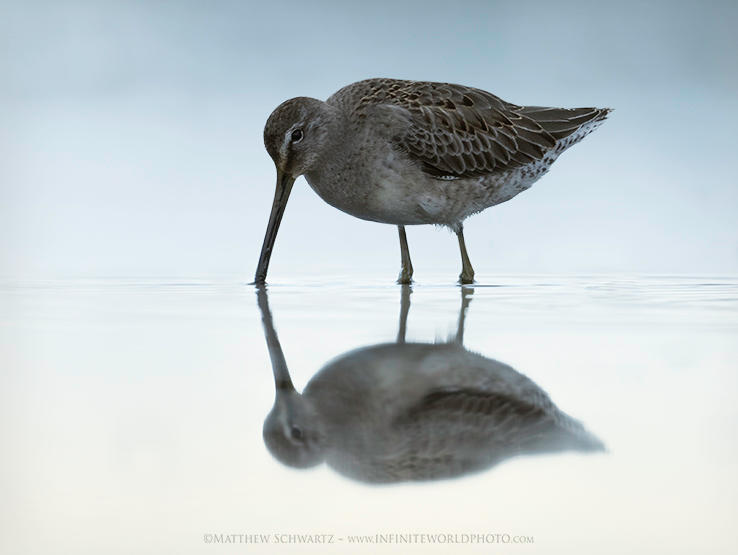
296 135
293 432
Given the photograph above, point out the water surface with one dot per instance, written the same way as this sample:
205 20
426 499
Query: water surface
132 414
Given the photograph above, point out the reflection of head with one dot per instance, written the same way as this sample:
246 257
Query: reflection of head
292 432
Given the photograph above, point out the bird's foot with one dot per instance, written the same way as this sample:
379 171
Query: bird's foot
466 278
405 277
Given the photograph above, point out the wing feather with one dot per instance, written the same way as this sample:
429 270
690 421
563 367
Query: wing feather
459 131
499 419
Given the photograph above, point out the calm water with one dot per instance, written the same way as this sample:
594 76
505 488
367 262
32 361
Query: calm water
132 415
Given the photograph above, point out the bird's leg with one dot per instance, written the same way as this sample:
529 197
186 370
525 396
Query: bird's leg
404 310
466 293
467 272
406 273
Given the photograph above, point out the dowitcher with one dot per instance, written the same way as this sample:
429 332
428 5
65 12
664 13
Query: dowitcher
407 411
414 152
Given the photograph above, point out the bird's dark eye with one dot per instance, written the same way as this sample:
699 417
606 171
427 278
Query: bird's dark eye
296 136
296 433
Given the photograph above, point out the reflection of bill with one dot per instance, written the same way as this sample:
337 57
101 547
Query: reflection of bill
412 411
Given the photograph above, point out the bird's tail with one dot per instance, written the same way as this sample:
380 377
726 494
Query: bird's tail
567 125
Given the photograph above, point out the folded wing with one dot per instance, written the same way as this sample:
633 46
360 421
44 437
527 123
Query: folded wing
458 131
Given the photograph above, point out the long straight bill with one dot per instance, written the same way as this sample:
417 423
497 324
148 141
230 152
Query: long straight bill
284 187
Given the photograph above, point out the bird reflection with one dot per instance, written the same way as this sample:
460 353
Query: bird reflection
405 411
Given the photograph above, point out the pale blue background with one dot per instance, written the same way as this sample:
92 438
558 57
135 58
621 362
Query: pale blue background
131 135
131 409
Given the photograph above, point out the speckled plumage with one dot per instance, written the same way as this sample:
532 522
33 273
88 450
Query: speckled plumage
415 152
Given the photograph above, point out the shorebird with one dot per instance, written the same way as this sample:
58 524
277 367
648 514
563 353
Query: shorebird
414 152
405 411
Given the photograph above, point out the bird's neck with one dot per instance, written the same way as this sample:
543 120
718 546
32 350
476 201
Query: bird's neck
324 175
